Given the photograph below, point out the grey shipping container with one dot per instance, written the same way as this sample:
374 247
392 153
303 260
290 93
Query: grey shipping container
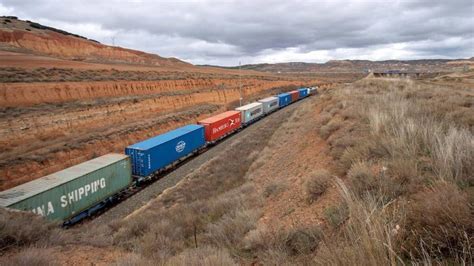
250 112
67 193
269 104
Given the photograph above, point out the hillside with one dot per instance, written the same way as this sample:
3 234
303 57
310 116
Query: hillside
362 66
360 185
31 37
65 99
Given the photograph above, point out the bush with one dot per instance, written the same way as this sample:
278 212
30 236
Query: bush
32 257
439 222
301 241
336 215
22 228
362 180
208 256
326 130
316 184
273 189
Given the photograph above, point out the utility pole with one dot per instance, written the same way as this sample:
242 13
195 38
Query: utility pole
240 85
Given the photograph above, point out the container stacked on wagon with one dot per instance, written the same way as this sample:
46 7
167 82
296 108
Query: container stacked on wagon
78 191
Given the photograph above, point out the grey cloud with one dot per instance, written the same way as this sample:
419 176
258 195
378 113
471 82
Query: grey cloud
224 31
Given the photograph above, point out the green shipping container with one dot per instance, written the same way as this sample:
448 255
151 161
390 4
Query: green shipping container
63 195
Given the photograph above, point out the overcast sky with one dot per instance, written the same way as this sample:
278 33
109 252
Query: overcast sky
224 32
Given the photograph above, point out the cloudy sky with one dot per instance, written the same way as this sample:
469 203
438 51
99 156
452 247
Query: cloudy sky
225 32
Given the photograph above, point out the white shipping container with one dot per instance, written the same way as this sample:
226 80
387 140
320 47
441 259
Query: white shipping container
269 104
250 112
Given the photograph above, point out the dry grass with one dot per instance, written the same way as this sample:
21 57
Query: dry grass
274 188
215 206
203 256
442 219
316 184
31 257
336 215
409 137
326 130
24 229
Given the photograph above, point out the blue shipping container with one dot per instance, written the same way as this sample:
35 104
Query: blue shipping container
156 153
303 92
284 99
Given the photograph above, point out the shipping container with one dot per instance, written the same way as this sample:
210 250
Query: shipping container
250 112
158 152
303 92
294 96
284 99
269 104
218 126
67 193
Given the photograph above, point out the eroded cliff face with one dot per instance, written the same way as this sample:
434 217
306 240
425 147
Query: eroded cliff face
27 94
46 127
55 113
44 40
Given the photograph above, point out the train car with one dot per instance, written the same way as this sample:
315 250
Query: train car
294 96
250 112
74 192
283 99
157 153
269 104
303 92
218 126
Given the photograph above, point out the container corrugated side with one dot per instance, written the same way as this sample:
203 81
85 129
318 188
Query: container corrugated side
294 96
220 125
303 92
284 99
269 104
250 112
62 195
158 152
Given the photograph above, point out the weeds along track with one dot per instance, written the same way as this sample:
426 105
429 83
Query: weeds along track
262 129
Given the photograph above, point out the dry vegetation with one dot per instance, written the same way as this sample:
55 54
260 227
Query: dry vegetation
407 151
54 74
403 162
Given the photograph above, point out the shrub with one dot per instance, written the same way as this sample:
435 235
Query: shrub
201 256
22 228
303 240
32 257
230 230
273 189
439 222
326 130
362 180
336 215
316 184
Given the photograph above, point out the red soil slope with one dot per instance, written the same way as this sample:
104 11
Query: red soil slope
24 35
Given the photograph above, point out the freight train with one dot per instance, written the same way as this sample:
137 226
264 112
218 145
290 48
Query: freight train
79 191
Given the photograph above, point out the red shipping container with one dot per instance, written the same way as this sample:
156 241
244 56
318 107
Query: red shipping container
220 125
294 95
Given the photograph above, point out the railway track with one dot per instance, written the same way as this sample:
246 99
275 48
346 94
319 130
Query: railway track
143 195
